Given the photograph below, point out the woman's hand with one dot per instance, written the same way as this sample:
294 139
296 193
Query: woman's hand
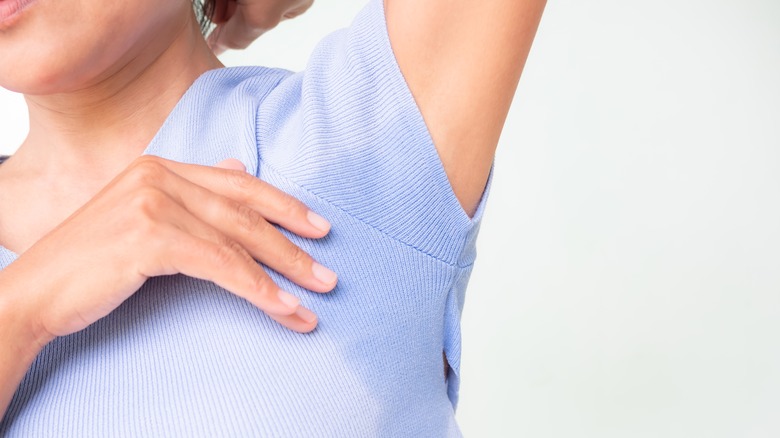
239 23
161 217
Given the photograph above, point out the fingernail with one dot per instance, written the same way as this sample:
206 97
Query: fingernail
323 274
318 221
289 300
232 164
306 314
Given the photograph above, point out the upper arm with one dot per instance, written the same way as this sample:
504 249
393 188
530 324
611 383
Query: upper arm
462 60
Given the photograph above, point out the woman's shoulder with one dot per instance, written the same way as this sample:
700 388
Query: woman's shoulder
346 129
248 82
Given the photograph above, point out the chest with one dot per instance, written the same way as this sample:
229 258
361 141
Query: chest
183 357
29 210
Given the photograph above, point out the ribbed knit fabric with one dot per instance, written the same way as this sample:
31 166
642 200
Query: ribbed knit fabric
183 357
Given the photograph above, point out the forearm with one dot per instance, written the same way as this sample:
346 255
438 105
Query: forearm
462 60
19 343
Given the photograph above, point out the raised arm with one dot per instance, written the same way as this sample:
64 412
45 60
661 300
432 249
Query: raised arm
462 60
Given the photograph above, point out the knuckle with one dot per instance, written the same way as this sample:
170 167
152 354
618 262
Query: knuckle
262 228
296 257
225 254
142 226
262 284
148 170
248 219
270 22
236 39
263 20
238 180
148 201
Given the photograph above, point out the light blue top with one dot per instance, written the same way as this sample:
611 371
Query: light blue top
183 357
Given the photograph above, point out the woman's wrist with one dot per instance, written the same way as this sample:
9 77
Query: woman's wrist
21 334
20 344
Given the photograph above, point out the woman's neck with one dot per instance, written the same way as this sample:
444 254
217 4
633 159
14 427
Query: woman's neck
95 132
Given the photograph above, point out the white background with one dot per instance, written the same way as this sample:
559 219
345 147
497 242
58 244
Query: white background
628 283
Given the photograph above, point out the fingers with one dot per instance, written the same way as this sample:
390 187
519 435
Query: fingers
223 10
203 252
273 204
237 32
301 7
238 25
304 320
244 224
262 240
231 164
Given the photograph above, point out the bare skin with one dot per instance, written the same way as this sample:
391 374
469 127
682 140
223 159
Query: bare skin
83 104
158 217
441 46
478 48
98 220
475 47
239 25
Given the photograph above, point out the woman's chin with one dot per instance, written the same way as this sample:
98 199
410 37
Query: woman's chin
38 79
46 66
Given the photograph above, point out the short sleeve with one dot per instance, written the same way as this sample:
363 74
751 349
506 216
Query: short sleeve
348 130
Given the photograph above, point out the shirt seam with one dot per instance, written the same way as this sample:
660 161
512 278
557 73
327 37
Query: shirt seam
379 230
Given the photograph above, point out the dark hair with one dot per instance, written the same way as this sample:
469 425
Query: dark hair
204 11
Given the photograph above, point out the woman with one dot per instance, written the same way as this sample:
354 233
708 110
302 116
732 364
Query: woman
389 133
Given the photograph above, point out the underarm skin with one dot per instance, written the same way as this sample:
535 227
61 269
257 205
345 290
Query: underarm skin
462 60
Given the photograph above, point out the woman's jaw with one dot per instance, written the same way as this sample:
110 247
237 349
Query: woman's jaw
97 71
59 46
